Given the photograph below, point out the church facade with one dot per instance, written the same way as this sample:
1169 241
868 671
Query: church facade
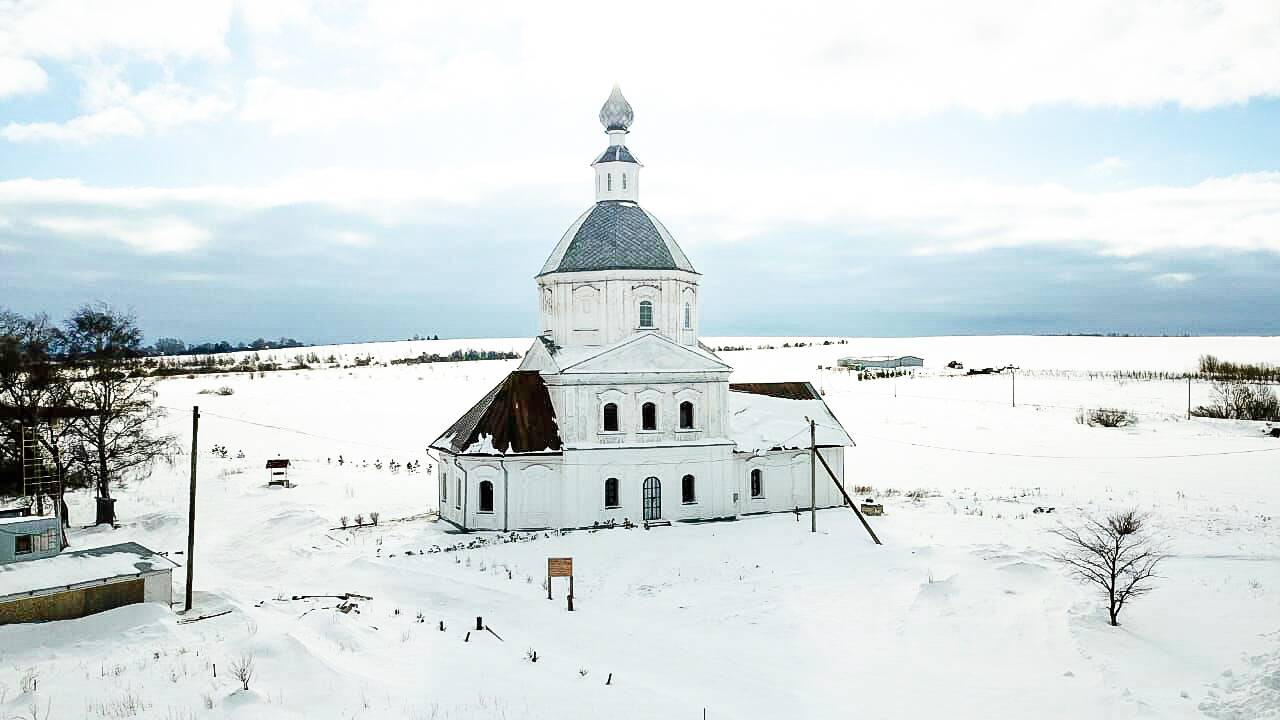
618 412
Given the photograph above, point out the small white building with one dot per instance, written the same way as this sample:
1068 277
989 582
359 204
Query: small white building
618 412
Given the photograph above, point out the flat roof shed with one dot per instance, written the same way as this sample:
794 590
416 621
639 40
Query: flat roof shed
83 582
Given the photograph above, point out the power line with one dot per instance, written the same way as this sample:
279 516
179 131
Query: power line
1068 457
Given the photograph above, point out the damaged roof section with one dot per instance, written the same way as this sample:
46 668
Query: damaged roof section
784 390
773 416
514 417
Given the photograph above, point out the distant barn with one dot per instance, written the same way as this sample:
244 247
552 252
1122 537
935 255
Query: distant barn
881 361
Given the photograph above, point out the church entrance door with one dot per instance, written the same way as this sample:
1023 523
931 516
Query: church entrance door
652 499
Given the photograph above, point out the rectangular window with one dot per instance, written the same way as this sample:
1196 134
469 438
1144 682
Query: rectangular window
21 544
611 493
444 490
457 501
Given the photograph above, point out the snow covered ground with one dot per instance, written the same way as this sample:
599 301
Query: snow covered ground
960 612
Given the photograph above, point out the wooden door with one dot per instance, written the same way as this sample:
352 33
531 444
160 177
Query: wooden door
652 499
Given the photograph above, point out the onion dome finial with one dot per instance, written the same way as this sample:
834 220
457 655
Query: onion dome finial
616 114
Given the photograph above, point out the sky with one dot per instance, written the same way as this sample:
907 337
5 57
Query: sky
335 171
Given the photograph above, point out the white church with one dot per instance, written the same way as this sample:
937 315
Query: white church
618 413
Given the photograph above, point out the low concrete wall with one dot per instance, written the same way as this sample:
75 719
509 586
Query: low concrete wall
69 604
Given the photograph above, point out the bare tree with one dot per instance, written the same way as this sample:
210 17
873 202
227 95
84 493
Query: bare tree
242 669
1116 554
119 439
35 393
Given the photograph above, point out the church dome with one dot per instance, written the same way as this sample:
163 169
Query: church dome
616 113
616 235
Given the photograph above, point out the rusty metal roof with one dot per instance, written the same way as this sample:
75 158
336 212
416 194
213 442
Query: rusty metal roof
784 390
517 416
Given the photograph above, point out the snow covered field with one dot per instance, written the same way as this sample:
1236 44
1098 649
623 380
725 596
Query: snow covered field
960 613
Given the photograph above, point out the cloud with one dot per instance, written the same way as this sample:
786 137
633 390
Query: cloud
1108 166
123 112
1175 278
19 76
927 216
148 236
320 66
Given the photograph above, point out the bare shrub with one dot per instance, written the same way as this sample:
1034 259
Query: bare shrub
242 670
1241 401
862 489
1111 417
1115 554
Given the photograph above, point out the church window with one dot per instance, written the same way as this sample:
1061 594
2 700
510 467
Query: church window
610 417
646 314
609 180
757 483
486 496
444 489
649 416
688 495
688 316
686 415
457 500
624 181
611 493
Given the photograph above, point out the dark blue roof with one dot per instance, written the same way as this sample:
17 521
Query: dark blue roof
616 153
617 235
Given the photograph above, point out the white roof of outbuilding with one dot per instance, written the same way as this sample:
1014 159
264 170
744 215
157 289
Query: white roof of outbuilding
80 566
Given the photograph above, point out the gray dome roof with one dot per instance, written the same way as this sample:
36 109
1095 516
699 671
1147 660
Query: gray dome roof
616 235
616 114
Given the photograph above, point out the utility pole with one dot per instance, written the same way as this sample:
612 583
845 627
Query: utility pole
1013 376
813 475
191 516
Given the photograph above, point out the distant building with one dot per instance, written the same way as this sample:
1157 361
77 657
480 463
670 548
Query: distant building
881 361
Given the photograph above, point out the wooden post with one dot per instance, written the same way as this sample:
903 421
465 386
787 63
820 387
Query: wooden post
813 476
849 500
1013 378
570 593
548 584
191 510
1188 397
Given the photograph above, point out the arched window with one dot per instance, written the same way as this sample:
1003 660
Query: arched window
609 180
646 314
757 483
611 493
486 496
688 316
688 495
610 417
624 181
686 415
649 416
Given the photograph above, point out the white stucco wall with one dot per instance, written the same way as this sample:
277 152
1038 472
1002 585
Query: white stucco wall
568 491
601 307
158 587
